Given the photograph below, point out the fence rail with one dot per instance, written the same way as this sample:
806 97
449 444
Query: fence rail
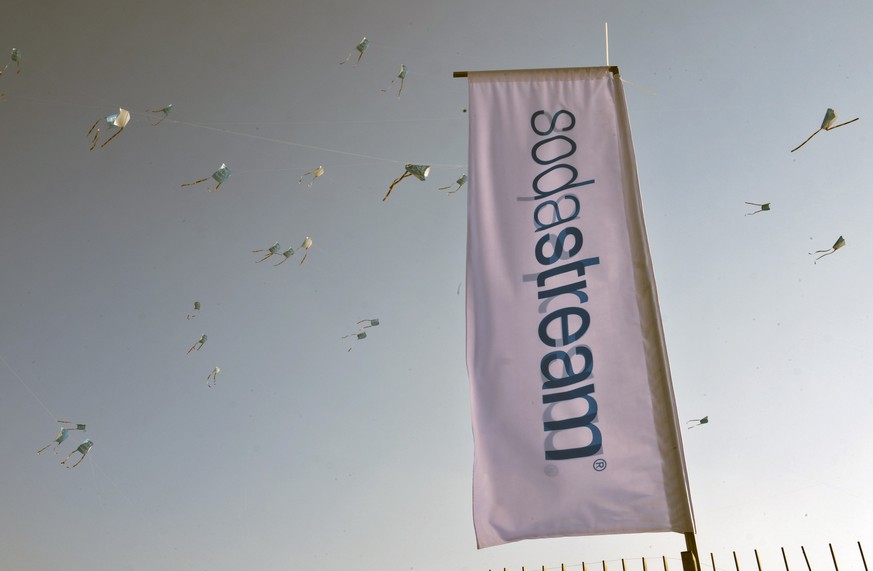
643 563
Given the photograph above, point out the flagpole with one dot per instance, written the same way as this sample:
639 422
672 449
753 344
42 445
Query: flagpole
456 74
691 557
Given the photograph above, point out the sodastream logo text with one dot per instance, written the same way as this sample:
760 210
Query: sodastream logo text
568 392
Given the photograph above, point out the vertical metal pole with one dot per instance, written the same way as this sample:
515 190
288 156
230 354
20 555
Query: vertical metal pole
645 567
584 568
834 557
563 568
623 565
862 556
736 561
785 559
808 566
664 559
604 565
758 559
712 558
690 557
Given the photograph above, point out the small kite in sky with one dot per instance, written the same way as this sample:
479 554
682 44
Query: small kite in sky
201 342
196 309
315 174
164 110
287 253
271 251
82 449
418 171
460 182
307 243
62 435
837 245
213 375
221 175
762 208
826 125
401 76
15 56
361 47
699 421
369 322
358 336
119 120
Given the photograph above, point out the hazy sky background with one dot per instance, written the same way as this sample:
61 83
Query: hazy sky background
307 455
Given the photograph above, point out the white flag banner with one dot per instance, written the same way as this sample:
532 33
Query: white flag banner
574 420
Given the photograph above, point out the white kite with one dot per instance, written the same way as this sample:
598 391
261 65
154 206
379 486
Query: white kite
271 251
196 310
221 175
62 435
119 120
315 174
83 449
418 171
699 421
837 245
401 76
201 342
163 110
826 125
460 182
214 376
761 208
361 47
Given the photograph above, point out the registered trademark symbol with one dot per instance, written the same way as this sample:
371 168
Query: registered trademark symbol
600 465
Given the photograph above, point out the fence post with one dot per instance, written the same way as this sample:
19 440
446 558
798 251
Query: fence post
785 559
862 556
834 557
808 566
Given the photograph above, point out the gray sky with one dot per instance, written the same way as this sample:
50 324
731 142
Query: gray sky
305 454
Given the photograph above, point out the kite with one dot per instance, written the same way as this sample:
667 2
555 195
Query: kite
361 47
62 435
763 208
16 57
287 253
699 421
221 175
826 125
358 336
82 449
369 322
418 171
196 308
401 76
119 120
315 174
201 342
165 110
307 243
837 245
271 251
213 375
460 182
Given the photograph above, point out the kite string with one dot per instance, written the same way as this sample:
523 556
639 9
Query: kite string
292 143
33 394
